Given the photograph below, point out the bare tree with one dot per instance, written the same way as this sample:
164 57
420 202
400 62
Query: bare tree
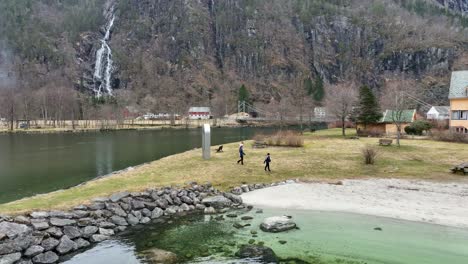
340 100
397 97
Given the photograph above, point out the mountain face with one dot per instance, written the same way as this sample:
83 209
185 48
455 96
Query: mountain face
164 55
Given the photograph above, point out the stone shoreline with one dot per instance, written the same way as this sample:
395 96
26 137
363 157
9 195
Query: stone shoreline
44 237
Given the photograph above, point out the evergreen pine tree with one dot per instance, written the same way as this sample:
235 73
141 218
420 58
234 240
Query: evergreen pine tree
318 91
309 86
368 108
243 94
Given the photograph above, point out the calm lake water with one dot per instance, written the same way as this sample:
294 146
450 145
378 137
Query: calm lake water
40 163
323 238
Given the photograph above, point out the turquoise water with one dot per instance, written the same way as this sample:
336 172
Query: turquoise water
323 237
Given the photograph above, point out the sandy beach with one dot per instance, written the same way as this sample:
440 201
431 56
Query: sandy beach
431 202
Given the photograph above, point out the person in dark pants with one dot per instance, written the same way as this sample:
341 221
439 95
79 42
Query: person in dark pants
241 154
267 162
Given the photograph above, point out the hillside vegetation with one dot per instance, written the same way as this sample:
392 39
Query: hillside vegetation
170 54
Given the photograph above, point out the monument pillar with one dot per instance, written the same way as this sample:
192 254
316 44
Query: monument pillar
206 141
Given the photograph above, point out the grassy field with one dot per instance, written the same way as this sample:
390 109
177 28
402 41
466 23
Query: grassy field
326 156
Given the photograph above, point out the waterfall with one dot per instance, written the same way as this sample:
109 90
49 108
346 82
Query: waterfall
103 65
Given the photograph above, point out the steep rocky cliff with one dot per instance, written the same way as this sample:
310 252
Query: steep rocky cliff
167 54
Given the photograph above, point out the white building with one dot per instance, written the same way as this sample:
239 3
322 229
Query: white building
320 112
438 113
199 113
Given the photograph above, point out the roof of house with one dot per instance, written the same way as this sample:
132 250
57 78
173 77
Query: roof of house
406 116
442 110
459 85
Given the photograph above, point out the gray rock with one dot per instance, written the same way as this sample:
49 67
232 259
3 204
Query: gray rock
66 245
9 247
200 207
117 196
186 199
168 199
55 232
277 224
25 261
146 212
237 191
177 201
81 213
162 203
116 209
210 210
118 220
184 207
2 236
61 214
234 198
106 224
87 221
261 253
170 211
97 206
157 212
106 232
89 231
39 224
136 204
33 251
126 207
132 220
49 243
137 214
10 258
13 230
145 220
120 229
245 188
217 201
82 243
22 219
98 238
72 232
46 258
39 214
150 206
61 222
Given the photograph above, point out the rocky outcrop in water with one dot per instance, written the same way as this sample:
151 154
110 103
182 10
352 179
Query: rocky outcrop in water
260 253
42 237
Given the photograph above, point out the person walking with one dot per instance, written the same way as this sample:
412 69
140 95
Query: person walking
267 162
241 154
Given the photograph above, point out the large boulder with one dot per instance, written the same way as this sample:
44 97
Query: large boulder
50 243
46 258
72 232
277 224
260 253
12 230
119 220
33 251
157 212
217 201
159 256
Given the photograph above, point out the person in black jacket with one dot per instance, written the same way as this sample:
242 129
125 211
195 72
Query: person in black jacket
241 154
267 162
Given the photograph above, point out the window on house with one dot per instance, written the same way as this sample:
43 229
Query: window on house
463 115
455 115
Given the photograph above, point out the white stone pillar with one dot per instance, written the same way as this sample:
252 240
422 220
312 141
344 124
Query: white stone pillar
206 141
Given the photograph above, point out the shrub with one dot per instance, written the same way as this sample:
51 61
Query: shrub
418 127
283 138
449 136
369 153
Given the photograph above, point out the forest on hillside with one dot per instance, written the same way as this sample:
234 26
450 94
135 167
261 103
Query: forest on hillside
169 55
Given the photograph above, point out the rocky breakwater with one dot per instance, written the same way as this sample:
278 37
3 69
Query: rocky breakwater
44 237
